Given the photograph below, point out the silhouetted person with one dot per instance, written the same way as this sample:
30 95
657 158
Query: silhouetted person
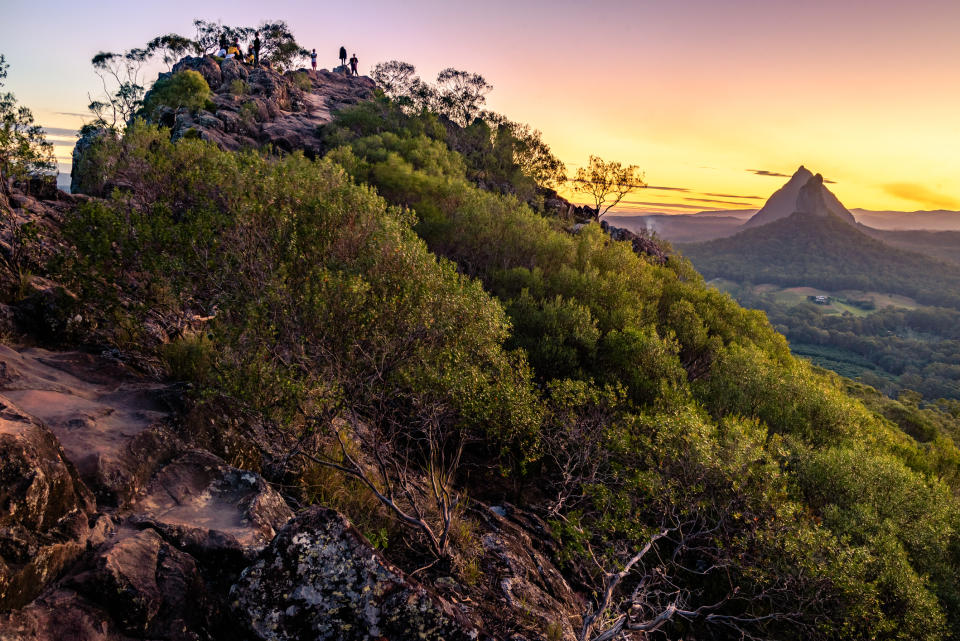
223 41
343 56
353 65
256 50
313 60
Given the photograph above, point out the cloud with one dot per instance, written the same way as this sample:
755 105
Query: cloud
766 172
72 113
667 188
733 196
921 194
644 203
777 174
722 202
60 131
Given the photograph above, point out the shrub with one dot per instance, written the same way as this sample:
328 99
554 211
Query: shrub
182 90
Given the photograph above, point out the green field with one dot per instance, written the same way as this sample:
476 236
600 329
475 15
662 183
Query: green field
839 300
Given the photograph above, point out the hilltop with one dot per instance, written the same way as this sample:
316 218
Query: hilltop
386 384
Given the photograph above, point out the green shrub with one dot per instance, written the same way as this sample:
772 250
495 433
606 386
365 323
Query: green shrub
182 90
239 87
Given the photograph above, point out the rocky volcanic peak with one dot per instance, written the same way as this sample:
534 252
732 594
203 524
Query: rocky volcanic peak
804 193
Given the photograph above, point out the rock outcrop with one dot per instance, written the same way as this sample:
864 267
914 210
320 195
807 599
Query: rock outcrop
803 193
321 580
260 107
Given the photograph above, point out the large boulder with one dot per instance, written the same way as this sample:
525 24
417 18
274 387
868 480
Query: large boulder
45 510
321 580
221 515
150 589
110 423
206 66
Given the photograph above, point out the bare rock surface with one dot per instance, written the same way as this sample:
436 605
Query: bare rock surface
46 513
321 580
109 424
221 515
260 107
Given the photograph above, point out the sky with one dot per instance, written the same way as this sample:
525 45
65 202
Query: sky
717 101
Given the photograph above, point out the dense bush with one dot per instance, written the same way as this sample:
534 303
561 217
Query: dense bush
632 404
182 90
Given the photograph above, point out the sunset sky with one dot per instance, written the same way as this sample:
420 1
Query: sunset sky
714 100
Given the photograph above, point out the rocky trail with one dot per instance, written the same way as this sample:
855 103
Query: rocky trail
113 527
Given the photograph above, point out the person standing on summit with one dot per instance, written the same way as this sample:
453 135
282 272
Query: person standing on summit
256 50
353 65
343 56
313 60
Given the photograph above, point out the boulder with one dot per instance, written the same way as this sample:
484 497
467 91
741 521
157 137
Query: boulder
150 589
221 515
206 66
231 70
45 510
321 580
61 614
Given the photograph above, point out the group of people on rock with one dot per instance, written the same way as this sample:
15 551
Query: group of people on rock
234 50
252 57
354 61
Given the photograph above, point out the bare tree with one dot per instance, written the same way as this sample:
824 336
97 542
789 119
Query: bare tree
651 588
122 96
607 183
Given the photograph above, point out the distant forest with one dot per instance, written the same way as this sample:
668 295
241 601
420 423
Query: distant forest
829 254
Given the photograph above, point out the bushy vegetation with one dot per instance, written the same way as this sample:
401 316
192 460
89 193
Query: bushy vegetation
24 150
182 90
693 471
892 349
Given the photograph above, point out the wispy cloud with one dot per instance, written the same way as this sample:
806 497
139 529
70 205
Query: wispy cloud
733 196
667 188
60 131
721 202
921 194
643 203
767 172
72 113
777 174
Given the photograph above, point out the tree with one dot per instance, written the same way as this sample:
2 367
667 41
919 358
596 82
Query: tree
461 94
122 96
24 150
607 183
171 48
278 46
210 34
395 78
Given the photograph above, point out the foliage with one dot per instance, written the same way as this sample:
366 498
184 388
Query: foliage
122 91
278 46
606 183
827 253
182 90
24 150
700 480
171 48
716 430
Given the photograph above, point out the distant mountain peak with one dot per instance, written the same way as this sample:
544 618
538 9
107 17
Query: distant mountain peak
805 192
